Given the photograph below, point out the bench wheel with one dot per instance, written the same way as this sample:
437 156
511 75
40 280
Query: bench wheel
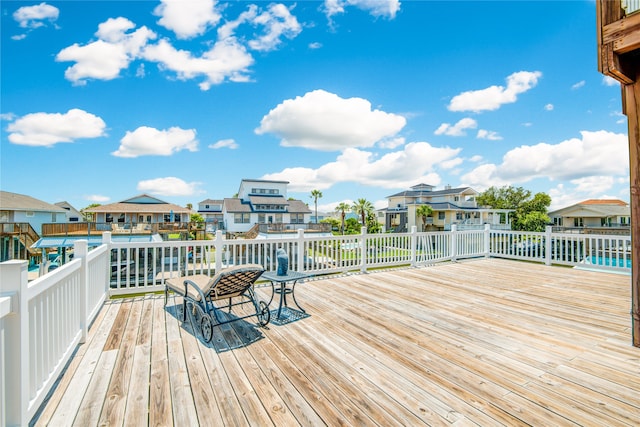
264 314
206 327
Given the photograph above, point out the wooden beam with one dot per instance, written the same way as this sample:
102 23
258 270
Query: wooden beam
624 34
632 102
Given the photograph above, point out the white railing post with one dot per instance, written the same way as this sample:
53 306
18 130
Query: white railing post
217 244
547 244
106 240
414 245
363 249
301 259
454 241
14 282
487 240
80 250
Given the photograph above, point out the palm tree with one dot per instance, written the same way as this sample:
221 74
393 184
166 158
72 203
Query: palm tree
362 207
343 207
316 194
423 211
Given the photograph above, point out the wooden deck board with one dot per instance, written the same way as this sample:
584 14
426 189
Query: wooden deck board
484 342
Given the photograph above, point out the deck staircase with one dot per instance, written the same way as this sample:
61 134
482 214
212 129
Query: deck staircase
24 233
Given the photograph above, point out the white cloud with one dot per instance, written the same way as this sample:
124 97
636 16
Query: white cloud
488 134
187 19
169 186
401 169
609 81
595 154
147 141
321 120
458 129
494 97
277 22
111 53
227 59
33 16
48 129
377 8
97 198
548 107
578 85
225 143
315 45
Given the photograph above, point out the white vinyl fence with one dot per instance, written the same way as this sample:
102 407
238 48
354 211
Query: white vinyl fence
41 324
43 321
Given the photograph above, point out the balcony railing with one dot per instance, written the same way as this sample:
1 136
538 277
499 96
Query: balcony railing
98 228
320 227
43 321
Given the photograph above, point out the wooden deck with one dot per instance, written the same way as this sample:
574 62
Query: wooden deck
487 342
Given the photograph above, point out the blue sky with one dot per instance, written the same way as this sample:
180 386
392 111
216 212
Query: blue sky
102 101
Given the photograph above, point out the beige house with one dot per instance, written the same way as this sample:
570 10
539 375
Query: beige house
450 206
593 213
142 209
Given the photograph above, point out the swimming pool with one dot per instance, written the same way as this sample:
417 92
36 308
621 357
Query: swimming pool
610 262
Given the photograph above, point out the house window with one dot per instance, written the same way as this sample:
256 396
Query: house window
441 216
29 214
121 218
261 218
459 216
108 218
578 222
53 217
241 218
278 218
297 218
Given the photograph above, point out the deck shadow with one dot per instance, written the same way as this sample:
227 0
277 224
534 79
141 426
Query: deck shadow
237 333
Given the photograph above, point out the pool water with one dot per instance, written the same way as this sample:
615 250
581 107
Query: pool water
609 262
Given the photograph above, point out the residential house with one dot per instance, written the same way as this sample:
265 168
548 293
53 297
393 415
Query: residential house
450 206
263 202
73 215
21 220
142 209
593 213
211 211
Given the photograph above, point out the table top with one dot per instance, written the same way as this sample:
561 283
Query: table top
291 275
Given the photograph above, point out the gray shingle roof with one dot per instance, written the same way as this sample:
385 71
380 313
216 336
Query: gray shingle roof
20 202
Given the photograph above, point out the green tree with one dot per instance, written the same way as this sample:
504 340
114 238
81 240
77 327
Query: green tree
343 207
88 216
197 218
424 211
352 226
530 213
316 194
373 226
362 207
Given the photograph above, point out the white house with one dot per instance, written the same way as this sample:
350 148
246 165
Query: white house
262 202
73 215
450 206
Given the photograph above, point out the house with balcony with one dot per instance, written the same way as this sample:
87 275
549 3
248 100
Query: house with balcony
21 222
262 209
450 206
211 212
142 209
594 214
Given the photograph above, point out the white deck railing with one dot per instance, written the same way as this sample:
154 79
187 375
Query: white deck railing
43 321
41 324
